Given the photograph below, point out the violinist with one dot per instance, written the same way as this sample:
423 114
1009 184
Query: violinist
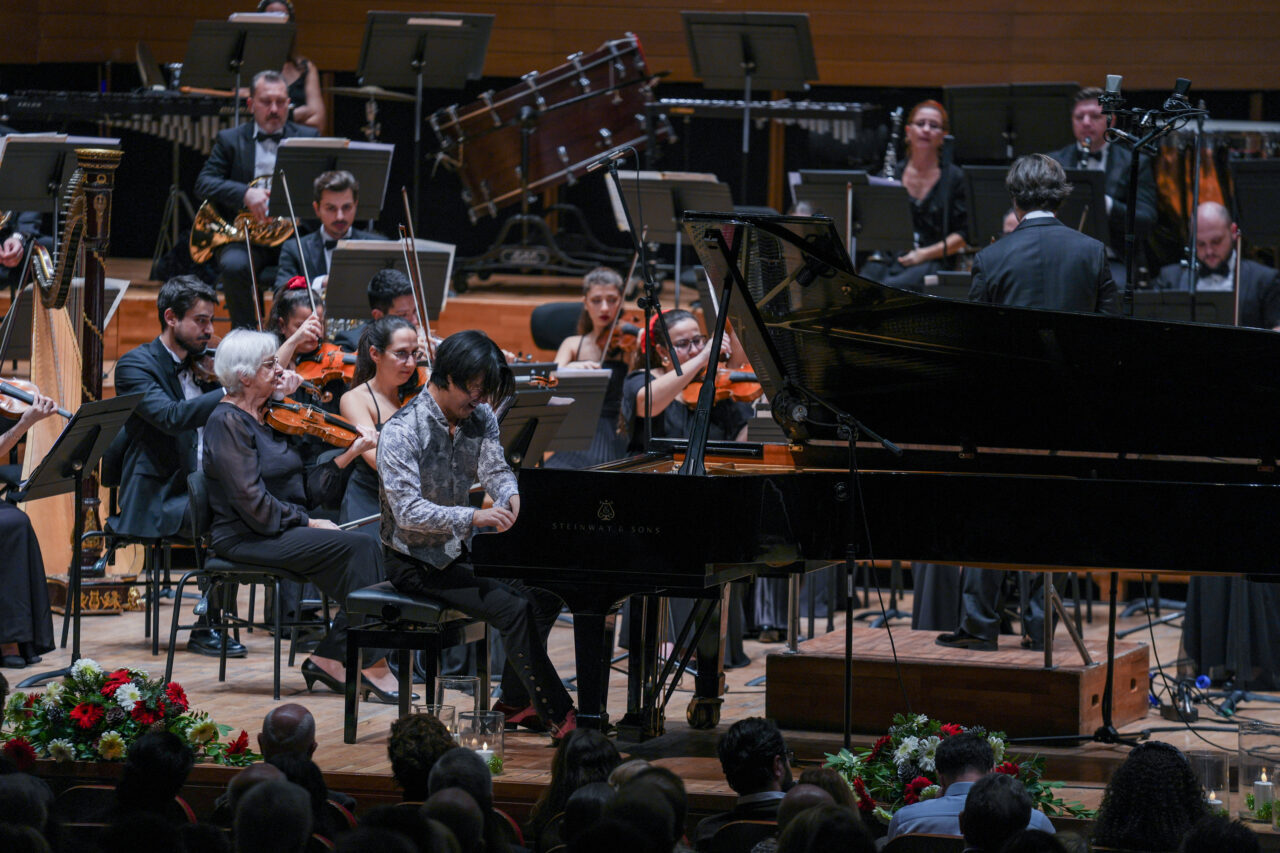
390 294
671 417
259 492
334 198
602 293
26 622
301 337
385 370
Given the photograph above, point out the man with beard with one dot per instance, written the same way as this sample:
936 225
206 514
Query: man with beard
161 442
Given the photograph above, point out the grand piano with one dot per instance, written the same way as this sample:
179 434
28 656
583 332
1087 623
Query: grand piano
1029 439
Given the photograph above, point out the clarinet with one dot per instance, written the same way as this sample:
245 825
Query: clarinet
890 169
1085 148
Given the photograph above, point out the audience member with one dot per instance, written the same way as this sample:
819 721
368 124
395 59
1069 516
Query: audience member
463 769
204 838
428 836
997 807
1152 800
458 810
17 838
831 782
646 814
583 756
154 772
825 828
288 728
25 800
224 808
273 817
801 797
128 830
367 839
1033 841
961 761
305 773
415 744
624 771
583 809
1220 834
615 836
662 781
753 756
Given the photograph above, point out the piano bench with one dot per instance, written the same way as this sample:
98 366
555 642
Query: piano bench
405 623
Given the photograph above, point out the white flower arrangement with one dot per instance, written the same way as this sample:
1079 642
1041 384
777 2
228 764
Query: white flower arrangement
61 750
111 746
128 695
85 670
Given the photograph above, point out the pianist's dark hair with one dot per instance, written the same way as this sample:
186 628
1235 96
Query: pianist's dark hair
673 316
385 287
180 293
467 356
1037 182
378 335
598 277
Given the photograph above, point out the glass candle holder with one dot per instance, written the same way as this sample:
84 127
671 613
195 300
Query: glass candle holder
461 691
1212 768
482 732
446 714
1259 760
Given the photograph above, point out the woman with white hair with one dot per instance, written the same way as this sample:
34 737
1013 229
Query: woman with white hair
258 492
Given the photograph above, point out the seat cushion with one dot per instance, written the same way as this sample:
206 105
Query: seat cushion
247 572
384 601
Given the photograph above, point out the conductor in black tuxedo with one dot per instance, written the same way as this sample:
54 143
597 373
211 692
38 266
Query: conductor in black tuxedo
1040 264
1216 269
162 437
241 154
334 199
1092 151
1043 263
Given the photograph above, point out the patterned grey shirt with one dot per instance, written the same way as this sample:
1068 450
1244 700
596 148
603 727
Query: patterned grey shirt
426 475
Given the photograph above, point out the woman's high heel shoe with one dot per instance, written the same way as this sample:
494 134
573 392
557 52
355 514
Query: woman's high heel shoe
311 673
387 697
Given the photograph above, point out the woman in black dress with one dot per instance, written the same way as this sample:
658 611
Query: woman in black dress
386 366
939 201
26 623
301 76
259 491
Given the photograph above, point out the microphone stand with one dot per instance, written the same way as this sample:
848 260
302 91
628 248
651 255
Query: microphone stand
947 142
649 303
1193 215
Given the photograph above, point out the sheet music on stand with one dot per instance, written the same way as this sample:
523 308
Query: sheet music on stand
355 262
881 208
529 423
1084 210
34 167
587 388
303 158
226 54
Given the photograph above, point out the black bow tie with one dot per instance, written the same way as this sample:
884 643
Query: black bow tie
329 245
263 137
1096 156
1222 270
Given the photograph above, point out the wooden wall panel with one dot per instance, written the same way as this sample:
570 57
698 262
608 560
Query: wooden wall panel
1223 45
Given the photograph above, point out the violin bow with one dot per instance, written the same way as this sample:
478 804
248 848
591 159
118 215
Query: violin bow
297 236
613 327
253 279
410 242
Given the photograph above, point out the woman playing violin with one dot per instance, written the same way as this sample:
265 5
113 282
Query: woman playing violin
259 492
386 364
671 417
602 291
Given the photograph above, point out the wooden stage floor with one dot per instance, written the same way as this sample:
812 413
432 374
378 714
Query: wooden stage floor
245 697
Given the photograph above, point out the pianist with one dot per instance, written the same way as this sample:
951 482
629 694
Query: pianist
429 454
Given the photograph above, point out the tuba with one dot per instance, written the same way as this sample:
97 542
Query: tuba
211 231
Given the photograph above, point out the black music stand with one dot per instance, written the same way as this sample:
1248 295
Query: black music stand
1084 210
530 423
218 52
299 159
73 457
1216 307
35 166
881 209
355 262
998 123
586 388
732 50
395 55
1257 199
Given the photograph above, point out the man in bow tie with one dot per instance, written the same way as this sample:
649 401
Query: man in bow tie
1092 151
239 155
1216 269
334 199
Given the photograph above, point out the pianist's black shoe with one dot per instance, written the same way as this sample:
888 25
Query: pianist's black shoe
206 641
960 639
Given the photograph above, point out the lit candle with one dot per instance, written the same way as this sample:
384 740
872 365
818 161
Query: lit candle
486 753
1214 802
1263 791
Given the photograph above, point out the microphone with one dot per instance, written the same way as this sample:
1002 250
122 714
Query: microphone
789 409
612 157
1177 101
1111 100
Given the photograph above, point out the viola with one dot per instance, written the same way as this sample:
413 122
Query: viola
330 362
16 396
736 385
293 418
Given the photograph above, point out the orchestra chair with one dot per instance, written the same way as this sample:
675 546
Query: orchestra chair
225 573
92 806
405 623
739 836
552 322
925 842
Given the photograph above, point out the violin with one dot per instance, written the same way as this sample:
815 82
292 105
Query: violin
736 385
293 418
330 362
16 396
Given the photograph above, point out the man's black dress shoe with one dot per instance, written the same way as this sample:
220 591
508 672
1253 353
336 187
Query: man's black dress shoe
963 640
13 662
208 642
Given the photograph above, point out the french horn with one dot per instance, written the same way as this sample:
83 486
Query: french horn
211 231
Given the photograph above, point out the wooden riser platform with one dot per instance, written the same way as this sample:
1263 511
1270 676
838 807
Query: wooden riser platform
1007 690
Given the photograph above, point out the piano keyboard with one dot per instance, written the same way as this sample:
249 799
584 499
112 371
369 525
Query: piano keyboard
838 119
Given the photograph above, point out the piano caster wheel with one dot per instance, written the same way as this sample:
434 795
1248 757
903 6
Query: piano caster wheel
703 713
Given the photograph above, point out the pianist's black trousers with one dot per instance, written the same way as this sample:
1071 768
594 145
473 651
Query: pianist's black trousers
237 283
982 598
523 614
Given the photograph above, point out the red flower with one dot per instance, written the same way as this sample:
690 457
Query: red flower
30 701
865 802
87 714
912 792
146 716
21 753
240 745
174 693
114 682
951 730
884 741
1008 768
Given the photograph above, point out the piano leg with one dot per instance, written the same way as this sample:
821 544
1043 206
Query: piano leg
593 643
644 718
704 708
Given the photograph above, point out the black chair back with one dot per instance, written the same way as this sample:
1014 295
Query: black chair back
198 492
552 322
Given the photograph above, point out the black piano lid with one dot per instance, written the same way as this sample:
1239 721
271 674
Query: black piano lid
928 370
